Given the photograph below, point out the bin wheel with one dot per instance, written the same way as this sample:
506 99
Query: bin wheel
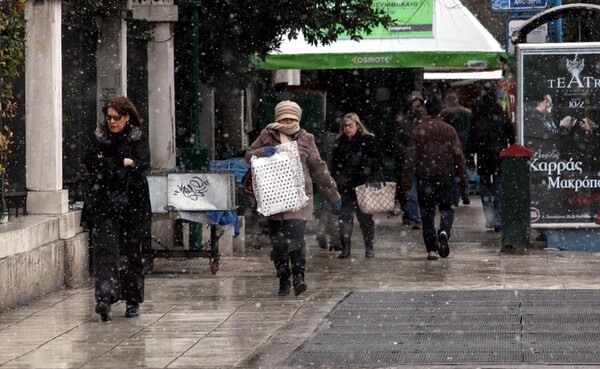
214 266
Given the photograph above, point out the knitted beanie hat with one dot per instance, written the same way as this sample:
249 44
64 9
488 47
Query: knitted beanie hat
287 109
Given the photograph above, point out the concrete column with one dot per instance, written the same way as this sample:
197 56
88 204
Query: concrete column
111 55
207 119
161 98
43 108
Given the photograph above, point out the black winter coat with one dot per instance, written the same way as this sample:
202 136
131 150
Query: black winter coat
355 161
104 162
491 132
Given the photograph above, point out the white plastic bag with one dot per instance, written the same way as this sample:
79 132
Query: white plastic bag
278 181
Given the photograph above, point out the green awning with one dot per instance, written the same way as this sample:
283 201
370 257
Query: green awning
459 42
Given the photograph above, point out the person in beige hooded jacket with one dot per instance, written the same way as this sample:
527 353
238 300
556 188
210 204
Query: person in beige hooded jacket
286 230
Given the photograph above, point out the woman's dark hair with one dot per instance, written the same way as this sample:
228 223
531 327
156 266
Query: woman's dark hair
123 106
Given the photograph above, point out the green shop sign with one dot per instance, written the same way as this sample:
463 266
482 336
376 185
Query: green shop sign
412 18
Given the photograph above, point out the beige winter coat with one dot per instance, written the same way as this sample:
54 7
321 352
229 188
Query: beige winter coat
312 165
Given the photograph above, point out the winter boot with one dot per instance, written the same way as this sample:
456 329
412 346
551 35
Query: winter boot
369 251
298 280
345 240
284 286
283 273
345 250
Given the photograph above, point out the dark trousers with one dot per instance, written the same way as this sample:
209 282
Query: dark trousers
289 246
118 264
434 194
365 221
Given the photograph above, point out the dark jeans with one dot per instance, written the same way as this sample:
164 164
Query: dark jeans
434 194
118 263
410 208
491 198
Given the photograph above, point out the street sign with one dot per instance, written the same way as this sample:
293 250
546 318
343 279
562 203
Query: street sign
537 36
518 5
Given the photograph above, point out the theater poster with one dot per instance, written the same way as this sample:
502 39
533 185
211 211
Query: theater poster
558 119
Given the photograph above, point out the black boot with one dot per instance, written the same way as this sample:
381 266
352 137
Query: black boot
298 280
369 252
345 240
345 251
284 286
283 273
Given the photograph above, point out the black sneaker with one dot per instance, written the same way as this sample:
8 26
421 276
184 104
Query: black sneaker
432 255
132 310
369 253
444 249
104 309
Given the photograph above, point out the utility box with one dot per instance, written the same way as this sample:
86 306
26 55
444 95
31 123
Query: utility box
516 200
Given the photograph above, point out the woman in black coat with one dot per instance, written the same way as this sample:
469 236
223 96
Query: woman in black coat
491 132
355 160
117 207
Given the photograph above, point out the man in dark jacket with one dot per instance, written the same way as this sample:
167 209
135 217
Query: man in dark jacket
402 137
458 117
491 132
435 159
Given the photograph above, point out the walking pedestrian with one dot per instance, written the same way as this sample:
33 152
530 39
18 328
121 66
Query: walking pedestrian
491 132
327 222
286 230
402 136
435 159
356 160
458 117
117 207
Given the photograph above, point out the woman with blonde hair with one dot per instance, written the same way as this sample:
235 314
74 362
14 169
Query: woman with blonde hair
355 160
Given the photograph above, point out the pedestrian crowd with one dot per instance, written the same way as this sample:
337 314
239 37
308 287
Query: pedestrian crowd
435 144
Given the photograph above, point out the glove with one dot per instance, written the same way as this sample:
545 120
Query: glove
335 207
269 150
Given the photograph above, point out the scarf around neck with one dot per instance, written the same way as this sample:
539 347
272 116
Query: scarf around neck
288 129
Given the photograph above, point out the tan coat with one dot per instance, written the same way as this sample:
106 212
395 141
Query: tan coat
312 166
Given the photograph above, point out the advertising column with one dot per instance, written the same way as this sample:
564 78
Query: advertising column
559 120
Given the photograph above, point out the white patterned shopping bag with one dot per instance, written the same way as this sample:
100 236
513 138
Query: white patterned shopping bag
276 180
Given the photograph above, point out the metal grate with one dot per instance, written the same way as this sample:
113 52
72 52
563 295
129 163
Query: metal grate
457 327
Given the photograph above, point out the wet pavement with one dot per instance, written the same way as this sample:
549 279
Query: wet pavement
234 319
